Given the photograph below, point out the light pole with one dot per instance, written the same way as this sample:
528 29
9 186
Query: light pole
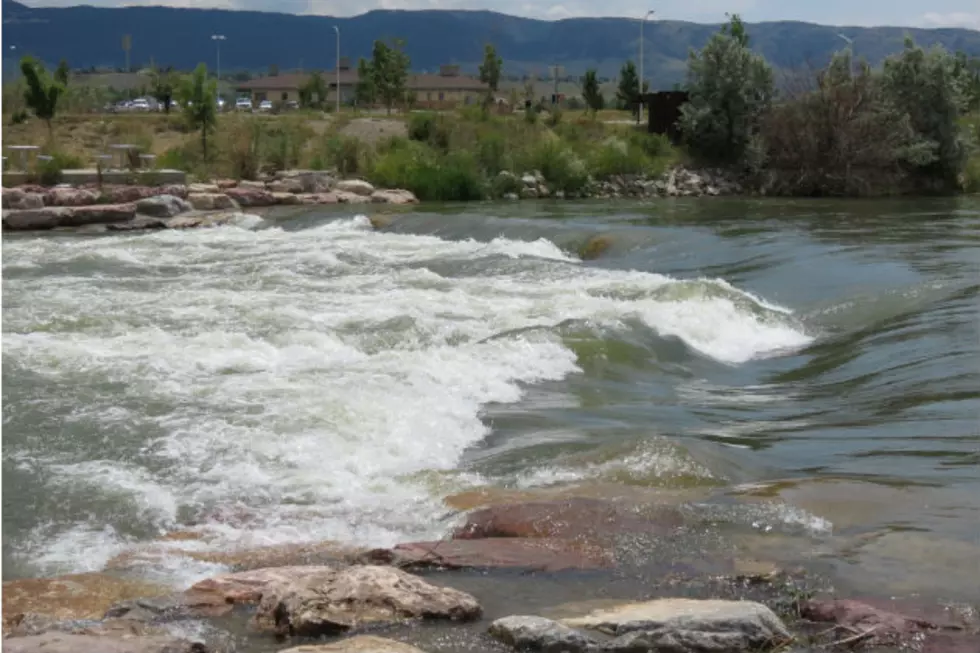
642 21
218 38
337 30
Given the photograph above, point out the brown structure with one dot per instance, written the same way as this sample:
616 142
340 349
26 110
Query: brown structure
448 89
663 111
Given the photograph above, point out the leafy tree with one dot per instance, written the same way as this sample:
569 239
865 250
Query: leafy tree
731 89
591 93
389 72
314 92
199 95
42 90
364 93
163 86
490 69
62 73
926 86
628 93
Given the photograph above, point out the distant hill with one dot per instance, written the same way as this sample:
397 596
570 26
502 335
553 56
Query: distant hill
90 36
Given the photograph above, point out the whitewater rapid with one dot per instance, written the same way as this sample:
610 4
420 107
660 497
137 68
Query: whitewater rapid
308 382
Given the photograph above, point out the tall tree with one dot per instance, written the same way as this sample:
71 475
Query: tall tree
731 89
163 86
389 72
628 93
364 93
591 93
314 92
42 90
490 69
199 95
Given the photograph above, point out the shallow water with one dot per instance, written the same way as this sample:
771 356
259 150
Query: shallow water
809 369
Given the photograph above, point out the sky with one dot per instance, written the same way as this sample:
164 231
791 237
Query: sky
911 13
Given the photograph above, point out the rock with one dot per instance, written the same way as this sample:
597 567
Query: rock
77 216
345 197
285 198
887 624
538 554
316 182
170 607
56 642
511 196
540 634
582 518
254 185
177 190
248 586
211 201
356 186
318 198
248 221
529 181
204 188
335 600
394 196
11 195
31 219
61 196
529 192
126 194
162 206
688 625
185 222
251 196
139 223
76 596
21 201
224 184
288 185
359 644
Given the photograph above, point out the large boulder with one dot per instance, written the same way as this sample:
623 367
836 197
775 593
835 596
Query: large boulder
32 219
318 198
356 186
75 596
284 198
18 199
249 586
394 196
336 600
211 201
251 184
539 554
694 626
540 634
162 206
77 216
126 194
68 196
200 187
346 197
57 642
251 196
359 644
139 223
286 185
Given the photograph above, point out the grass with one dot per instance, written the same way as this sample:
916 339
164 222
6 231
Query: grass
438 156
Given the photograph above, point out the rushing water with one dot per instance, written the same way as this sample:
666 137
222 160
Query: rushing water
815 365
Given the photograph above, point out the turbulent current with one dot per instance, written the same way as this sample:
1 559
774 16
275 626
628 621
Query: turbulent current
816 365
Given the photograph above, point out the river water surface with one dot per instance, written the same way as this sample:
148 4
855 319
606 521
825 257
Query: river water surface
811 369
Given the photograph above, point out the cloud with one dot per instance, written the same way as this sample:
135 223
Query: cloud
952 19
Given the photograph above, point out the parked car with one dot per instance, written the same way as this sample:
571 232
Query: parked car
265 105
243 104
140 104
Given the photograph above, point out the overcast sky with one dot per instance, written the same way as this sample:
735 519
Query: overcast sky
915 13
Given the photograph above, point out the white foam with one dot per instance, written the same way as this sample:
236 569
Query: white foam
311 376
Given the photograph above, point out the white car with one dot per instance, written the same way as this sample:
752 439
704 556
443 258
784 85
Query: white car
243 104
140 104
265 105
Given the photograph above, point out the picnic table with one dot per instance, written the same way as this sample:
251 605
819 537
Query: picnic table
123 149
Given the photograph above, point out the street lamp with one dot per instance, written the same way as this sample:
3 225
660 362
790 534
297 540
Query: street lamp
642 21
218 38
337 30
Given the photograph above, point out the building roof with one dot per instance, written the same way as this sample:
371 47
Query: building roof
427 82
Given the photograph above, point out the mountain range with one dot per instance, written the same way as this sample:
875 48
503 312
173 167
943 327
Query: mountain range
92 36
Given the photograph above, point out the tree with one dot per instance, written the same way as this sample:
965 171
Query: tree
731 89
163 87
591 93
314 92
626 93
926 86
389 72
364 92
490 69
199 95
43 90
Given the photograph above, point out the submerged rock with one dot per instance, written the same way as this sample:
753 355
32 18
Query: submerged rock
163 206
331 601
394 196
211 201
318 198
689 625
538 554
359 644
540 634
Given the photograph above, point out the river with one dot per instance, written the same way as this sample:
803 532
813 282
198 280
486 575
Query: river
810 368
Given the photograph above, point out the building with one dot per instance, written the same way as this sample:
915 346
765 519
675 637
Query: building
446 90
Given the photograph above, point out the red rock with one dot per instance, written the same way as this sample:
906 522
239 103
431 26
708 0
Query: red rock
539 554
888 623
951 643
580 518
248 586
22 200
32 219
285 198
71 197
125 194
77 216
223 184
250 196
318 198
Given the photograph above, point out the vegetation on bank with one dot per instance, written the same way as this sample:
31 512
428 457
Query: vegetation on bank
844 130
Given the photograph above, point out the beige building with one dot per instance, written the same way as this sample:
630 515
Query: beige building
445 90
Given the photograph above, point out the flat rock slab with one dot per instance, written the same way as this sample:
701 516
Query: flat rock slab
528 633
162 206
538 554
332 601
891 623
55 642
249 586
356 186
359 644
688 625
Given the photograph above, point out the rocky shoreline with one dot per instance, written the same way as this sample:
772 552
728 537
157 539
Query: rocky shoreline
179 206
330 597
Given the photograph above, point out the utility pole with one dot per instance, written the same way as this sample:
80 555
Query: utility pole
640 90
337 71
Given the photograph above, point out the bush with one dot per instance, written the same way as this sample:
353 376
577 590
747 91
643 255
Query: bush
345 154
617 157
561 167
49 173
430 175
241 143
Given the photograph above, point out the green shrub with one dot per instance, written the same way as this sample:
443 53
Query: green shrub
431 128
242 146
431 176
345 154
562 168
49 173
617 157
18 117
186 157
504 183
